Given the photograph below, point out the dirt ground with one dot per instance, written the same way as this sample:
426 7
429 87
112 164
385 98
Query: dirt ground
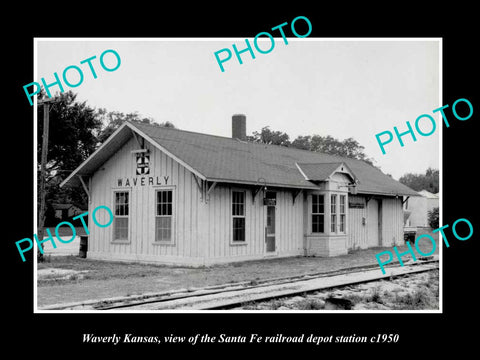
66 279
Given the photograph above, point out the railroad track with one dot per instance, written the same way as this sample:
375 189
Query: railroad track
231 295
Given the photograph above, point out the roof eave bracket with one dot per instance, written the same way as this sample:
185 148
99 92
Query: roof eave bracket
255 191
295 193
84 186
204 188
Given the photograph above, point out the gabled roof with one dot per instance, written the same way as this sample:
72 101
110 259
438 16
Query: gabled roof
323 171
223 159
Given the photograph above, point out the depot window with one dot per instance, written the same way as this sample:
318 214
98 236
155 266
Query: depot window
238 216
333 213
121 216
318 213
164 216
342 213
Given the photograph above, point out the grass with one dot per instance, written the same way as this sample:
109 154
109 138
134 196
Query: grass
425 296
254 270
240 271
355 298
420 299
376 295
417 292
310 304
101 270
269 305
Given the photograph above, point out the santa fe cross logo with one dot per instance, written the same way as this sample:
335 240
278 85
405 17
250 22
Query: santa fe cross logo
143 164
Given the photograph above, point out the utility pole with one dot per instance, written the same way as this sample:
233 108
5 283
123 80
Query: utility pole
43 164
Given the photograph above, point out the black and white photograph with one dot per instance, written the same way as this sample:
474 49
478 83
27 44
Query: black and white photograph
214 183
278 199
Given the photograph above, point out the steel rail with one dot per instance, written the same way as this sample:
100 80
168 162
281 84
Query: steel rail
239 287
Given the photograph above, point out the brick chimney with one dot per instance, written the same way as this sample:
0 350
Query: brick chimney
239 127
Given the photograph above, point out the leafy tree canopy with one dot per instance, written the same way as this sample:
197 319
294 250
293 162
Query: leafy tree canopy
326 144
111 120
71 139
71 136
75 132
267 136
428 181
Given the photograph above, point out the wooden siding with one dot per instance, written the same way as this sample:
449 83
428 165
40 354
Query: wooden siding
372 223
391 218
202 231
288 220
392 222
357 231
141 246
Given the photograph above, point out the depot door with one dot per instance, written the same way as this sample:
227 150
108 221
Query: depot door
270 228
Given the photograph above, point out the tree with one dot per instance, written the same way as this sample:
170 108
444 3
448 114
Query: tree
428 181
324 144
355 150
433 218
112 120
267 136
71 132
75 132
302 142
72 138
329 145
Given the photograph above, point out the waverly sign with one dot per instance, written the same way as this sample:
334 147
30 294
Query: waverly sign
142 181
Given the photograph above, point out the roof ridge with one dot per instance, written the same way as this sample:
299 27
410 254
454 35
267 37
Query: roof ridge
320 162
181 130
246 142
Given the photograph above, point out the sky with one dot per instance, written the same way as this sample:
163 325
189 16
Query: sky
339 87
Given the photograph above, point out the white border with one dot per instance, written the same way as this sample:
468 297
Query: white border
35 179
440 168
386 39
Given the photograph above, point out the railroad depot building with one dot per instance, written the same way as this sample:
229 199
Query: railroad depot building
180 197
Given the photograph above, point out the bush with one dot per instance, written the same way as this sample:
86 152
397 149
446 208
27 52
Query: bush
419 299
433 218
310 304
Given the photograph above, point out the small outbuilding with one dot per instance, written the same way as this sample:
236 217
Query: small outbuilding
417 208
187 198
66 211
